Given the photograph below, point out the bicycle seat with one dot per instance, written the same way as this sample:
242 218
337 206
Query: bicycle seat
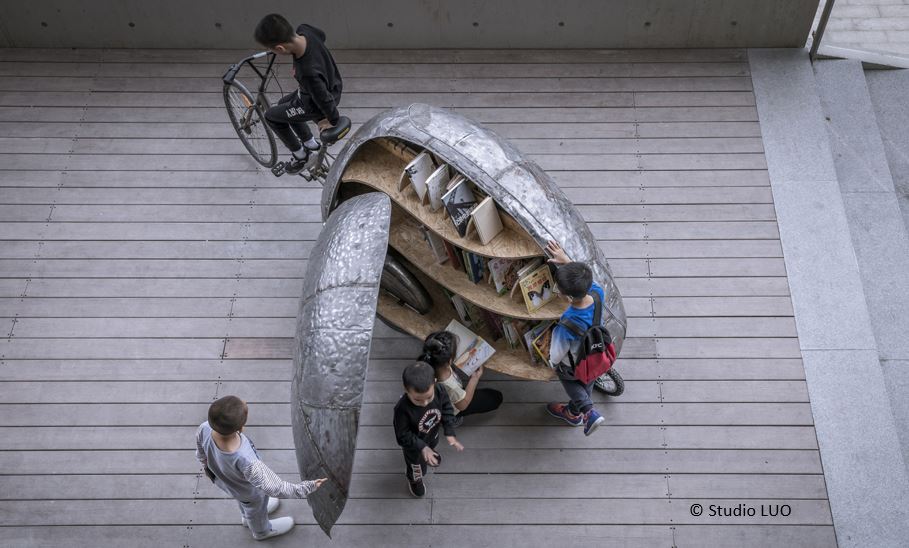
331 135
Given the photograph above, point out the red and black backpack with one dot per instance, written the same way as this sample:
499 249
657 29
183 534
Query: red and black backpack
597 353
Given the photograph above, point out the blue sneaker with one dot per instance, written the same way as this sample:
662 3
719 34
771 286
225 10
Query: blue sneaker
592 421
561 411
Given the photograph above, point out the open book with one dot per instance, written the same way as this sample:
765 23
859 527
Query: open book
472 351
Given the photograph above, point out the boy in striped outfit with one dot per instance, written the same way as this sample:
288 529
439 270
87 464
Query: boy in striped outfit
230 460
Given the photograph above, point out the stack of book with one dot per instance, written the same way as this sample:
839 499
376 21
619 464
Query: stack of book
439 188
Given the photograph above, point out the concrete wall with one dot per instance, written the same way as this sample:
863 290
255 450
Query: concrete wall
412 23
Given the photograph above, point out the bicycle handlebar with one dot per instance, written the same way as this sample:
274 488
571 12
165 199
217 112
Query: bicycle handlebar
235 68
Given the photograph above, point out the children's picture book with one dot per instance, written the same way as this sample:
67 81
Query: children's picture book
459 202
436 243
542 343
416 173
537 288
459 305
472 351
504 274
529 336
485 220
522 271
436 185
475 266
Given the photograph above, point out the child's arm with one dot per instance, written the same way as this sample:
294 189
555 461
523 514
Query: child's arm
263 478
448 418
404 435
200 454
557 253
559 347
323 98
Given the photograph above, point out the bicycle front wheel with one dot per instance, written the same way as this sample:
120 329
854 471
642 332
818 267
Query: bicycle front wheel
248 118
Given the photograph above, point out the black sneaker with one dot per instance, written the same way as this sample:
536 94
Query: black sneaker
295 165
417 488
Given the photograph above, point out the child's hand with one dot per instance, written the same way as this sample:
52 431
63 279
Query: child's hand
430 456
319 483
453 441
558 254
478 373
324 124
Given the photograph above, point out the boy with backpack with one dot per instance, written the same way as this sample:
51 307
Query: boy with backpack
581 349
319 93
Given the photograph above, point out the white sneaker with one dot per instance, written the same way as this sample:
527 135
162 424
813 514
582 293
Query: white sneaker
278 527
272 506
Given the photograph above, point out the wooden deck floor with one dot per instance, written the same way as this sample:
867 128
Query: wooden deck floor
147 267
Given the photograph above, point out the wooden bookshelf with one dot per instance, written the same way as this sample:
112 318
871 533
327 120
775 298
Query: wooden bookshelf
514 362
379 165
379 168
406 238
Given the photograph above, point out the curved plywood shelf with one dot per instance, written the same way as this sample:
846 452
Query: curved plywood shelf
380 169
513 362
406 238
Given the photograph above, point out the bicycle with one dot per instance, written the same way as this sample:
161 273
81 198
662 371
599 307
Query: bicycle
247 115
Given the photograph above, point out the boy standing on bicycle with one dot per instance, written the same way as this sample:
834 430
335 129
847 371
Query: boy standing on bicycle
319 93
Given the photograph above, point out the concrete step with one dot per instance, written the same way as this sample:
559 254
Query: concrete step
862 140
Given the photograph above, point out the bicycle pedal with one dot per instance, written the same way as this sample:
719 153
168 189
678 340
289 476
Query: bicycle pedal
279 169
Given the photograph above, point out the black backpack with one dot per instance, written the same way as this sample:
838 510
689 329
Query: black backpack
597 353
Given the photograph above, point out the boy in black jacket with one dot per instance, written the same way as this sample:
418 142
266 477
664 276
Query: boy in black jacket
419 414
319 93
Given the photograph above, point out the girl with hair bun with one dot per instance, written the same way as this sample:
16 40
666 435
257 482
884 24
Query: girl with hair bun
439 352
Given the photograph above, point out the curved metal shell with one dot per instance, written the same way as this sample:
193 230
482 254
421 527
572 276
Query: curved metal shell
331 351
517 184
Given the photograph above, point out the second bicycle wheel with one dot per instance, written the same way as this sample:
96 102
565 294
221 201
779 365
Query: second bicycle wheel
248 119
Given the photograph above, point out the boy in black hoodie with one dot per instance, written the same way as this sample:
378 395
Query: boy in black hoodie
319 93
419 414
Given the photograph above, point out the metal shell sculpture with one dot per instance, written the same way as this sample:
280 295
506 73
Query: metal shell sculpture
334 329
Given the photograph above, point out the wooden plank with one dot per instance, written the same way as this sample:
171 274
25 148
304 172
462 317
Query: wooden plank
388 69
160 231
174 213
694 287
183 196
443 56
152 268
659 212
155 287
684 249
88 249
542 461
267 415
647 179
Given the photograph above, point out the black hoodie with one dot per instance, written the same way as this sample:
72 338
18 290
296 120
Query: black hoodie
317 73
416 427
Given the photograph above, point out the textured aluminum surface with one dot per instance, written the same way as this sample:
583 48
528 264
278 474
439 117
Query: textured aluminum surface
331 350
517 184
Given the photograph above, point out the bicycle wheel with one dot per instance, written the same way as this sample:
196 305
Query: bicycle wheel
610 383
248 119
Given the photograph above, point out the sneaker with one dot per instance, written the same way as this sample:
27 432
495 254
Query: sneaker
278 527
417 488
295 165
592 421
561 411
318 145
272 506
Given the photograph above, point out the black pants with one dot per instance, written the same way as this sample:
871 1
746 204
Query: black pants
288 118
416 464
484 400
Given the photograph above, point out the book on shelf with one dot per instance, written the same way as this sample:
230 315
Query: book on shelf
485 221
436 186
526 267
416 173
472 351
529 335
508 330
503 273
459 202
475 266
537 288
493 324
459 305
542 342
454 256
436 243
